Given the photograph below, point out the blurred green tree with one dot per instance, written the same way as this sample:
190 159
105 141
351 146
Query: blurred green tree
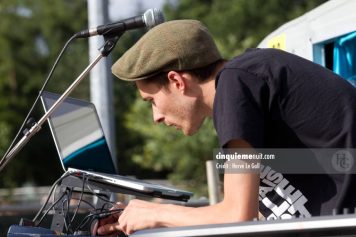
32 33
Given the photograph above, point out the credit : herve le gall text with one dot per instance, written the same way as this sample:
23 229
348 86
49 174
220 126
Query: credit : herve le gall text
240 161
239 165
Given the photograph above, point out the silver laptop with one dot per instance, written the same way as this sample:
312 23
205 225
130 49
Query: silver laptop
82 147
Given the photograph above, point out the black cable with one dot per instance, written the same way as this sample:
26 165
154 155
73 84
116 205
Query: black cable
86 202
45 214
107 203
104 215
83 222
49 195
107 213
65 215
80 199
78 205
37 98
98 215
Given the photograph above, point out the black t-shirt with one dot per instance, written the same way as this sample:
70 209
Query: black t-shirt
274 99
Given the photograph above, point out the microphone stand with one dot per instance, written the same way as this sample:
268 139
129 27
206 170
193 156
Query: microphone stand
110 42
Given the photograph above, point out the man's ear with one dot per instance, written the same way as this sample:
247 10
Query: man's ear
177 81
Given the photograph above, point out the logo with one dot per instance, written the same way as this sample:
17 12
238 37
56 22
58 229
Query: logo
342 161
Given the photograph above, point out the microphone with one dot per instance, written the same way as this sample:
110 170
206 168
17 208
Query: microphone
150 18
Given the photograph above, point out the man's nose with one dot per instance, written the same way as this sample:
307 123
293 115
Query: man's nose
157 116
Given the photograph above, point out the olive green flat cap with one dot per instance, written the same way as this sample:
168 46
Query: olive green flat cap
174 45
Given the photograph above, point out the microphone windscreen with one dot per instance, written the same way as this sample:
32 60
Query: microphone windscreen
153 17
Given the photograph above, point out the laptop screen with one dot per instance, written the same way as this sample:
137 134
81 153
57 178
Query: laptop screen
78 135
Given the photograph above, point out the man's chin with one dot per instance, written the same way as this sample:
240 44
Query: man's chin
189 132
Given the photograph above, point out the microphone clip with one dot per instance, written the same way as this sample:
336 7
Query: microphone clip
110 42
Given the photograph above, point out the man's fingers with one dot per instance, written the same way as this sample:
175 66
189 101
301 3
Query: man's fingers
108 229
108 220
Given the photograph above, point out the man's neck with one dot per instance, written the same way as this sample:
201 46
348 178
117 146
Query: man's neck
208 89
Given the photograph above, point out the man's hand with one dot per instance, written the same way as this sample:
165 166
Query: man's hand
111 222
137 215
240 204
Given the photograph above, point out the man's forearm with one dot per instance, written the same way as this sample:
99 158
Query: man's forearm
173 215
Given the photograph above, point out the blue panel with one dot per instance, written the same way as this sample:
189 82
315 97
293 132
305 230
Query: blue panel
345 57
23 231
94 156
